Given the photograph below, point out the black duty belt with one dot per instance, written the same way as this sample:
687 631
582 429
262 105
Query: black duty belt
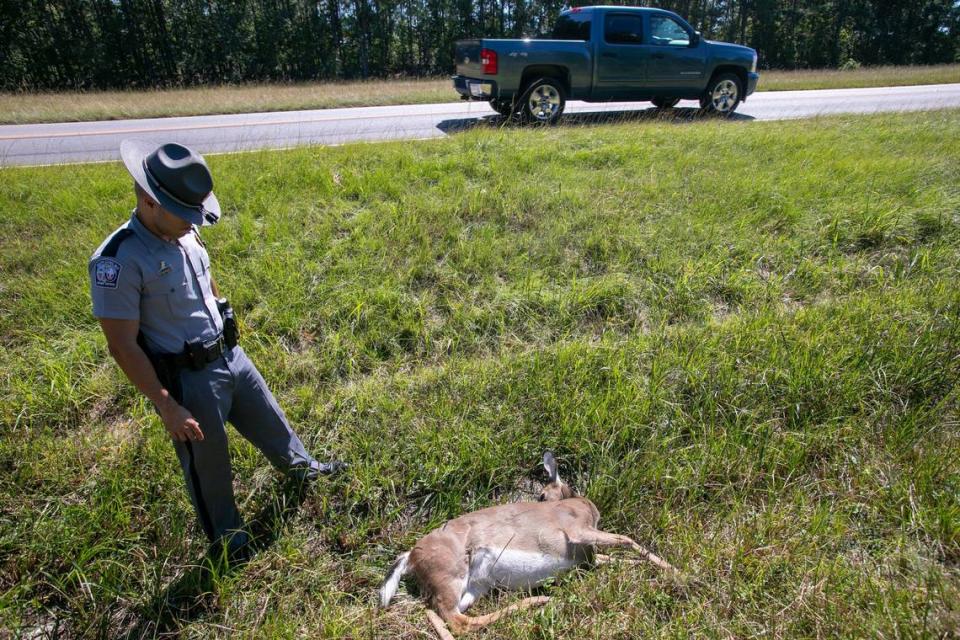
196 355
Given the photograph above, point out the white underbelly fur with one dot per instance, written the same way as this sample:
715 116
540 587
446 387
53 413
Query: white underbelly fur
510 569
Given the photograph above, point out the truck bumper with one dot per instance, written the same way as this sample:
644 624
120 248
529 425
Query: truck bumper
473 89
752 79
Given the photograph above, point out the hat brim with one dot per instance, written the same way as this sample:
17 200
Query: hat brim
133 153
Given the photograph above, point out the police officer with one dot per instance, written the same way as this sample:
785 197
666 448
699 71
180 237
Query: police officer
157 304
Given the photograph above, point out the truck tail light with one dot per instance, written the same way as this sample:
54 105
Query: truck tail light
488 58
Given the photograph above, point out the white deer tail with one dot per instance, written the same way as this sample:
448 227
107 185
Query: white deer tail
390 584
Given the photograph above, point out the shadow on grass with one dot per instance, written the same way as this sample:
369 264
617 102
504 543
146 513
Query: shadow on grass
680 115
192 595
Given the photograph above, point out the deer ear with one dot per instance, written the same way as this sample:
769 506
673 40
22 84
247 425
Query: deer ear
550 464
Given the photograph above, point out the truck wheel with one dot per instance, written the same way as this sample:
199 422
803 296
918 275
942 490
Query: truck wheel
506 108
723 95
665 103
543 101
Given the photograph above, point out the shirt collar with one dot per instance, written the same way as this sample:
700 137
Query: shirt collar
153 242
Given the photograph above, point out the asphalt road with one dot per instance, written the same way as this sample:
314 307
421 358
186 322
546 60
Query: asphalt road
39 144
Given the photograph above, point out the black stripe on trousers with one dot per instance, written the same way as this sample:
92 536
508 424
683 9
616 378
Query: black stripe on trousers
198 496
176 390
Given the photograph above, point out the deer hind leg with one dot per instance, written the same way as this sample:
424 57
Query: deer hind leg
442 569
479 578
461 622
439 626
597 538
453 596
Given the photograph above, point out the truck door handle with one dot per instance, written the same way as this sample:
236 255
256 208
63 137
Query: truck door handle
608 55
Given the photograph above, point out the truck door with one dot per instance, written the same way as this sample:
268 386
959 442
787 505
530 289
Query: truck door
621 57
674 64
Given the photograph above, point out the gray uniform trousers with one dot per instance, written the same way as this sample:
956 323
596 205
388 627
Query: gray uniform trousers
231 389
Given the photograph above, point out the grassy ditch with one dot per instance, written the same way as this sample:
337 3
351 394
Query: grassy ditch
23 108
741 340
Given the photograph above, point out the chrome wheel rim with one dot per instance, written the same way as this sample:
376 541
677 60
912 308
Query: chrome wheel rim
544 102
724 96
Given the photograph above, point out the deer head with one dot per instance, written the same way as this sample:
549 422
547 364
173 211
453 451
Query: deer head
555 489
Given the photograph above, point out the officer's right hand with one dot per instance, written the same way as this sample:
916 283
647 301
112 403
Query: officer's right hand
180 423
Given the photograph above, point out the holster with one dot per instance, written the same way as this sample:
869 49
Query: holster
231 332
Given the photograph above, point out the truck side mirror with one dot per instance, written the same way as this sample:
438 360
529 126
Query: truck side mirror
695 39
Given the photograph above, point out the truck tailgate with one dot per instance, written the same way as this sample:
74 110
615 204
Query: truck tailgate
468 58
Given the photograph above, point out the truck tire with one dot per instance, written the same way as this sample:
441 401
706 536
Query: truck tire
665 103
506 108
723 95
543 101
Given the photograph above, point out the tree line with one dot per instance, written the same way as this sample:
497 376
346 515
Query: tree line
88 44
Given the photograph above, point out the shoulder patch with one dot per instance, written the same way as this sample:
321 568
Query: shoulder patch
107 273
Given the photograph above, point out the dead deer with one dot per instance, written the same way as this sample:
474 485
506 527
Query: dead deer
512 546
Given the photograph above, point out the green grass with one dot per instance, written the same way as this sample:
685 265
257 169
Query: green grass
24 108
741 340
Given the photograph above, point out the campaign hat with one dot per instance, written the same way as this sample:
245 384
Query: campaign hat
176 176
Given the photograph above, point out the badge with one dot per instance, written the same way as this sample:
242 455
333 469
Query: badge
164 268
107 273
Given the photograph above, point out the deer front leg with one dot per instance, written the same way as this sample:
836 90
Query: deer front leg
597 538
602 559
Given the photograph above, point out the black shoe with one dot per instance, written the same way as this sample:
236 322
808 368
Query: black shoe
241 555
306 475
332 468
231 552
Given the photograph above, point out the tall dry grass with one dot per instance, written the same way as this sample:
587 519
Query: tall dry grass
23 108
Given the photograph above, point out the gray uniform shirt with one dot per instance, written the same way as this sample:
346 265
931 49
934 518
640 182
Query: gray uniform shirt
164 285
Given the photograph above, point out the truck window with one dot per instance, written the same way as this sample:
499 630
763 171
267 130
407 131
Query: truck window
572 26
666 31
623 29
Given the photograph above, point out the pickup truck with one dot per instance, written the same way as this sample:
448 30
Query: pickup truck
599 54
